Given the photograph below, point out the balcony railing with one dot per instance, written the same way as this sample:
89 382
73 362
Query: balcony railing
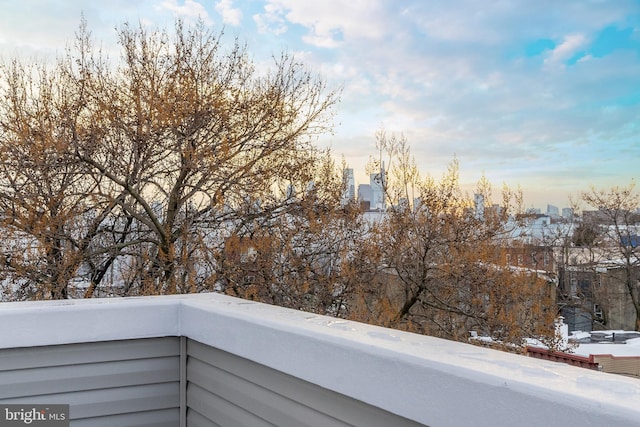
209 359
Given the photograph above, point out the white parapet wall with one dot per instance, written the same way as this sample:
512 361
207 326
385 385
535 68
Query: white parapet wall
425 379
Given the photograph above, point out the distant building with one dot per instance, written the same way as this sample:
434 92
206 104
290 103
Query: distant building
567 213
349 186
377 181
594 295
553 211
531 257
372 196
608 217
533 228
364 194
616 352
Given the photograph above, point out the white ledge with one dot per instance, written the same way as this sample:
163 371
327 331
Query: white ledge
429 380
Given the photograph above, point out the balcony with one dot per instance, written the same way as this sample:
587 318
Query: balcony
209 359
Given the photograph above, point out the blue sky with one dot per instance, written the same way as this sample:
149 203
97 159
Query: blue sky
544 94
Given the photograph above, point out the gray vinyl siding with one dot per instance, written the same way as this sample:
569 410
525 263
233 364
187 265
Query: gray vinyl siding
227 390
138 383
114 383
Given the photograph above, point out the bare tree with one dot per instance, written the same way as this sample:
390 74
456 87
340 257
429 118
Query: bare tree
160 150
616 236
50 214
308 258
444 257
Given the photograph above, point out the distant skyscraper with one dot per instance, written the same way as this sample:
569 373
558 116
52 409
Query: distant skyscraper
377 192
349 186
567 213
364 193
377 181
553 211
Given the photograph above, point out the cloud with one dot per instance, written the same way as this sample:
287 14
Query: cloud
230 15
32 28
190 10
271 20
570 46
515 89
328 23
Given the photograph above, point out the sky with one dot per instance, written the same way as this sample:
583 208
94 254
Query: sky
543 95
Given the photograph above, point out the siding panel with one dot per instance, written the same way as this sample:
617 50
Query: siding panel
195 419
159 418
111 401
221 411
215 378
88 376
619 365
92 352
263 402
133 382
137 383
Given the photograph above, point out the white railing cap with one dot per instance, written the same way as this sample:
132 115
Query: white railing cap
430 380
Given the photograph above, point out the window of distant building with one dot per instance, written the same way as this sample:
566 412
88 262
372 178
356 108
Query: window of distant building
598 314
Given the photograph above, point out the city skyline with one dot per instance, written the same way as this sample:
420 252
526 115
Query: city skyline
371 192
544 96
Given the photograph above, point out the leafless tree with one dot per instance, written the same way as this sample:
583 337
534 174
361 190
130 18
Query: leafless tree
444 257
151 154
616 236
